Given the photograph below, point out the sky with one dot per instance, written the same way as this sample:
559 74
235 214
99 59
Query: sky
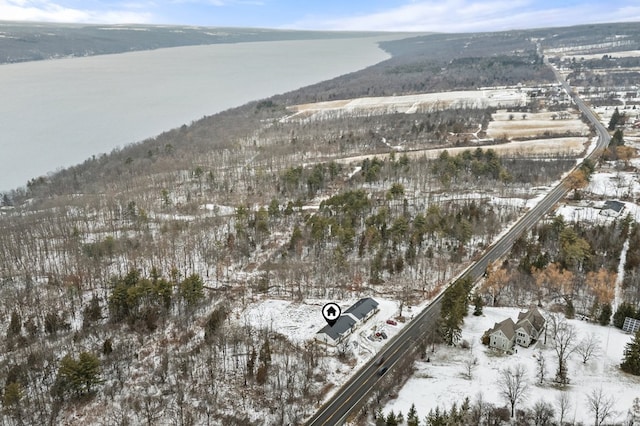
370 15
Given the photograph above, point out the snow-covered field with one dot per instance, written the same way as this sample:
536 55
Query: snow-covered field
441 382
412 103
612 54
564 146
534 124
301 321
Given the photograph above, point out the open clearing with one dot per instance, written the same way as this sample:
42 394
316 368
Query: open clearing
515 126
620 54
409 104
536 147
440 382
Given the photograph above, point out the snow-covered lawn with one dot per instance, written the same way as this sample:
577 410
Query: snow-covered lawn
301 321
440 382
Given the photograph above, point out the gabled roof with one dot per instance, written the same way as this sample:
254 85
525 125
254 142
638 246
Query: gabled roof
534 317
507 327
342 325
362 308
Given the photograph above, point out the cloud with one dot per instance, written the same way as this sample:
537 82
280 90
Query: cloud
478 15
50 11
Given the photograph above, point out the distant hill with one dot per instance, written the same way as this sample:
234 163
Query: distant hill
21 42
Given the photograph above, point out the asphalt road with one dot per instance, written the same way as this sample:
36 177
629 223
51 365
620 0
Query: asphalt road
348 399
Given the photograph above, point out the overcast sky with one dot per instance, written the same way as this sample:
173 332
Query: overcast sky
378 15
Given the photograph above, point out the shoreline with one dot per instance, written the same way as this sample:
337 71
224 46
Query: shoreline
82 106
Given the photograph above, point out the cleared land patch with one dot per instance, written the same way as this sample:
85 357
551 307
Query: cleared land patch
526 125
409 104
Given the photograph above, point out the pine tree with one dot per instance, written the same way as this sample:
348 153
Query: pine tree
605 314
379 415
615 118
455 304
617 139
191 289
631 361
478 304
77 376
412 416
391 419
15 325
624 310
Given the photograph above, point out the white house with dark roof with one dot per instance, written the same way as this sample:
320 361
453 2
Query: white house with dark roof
505 334
529 327
363 309
502 335
358 313
332 335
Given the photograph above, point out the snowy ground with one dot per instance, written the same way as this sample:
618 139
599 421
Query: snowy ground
301 321
535 124
564 146
440 382
613 54
411 103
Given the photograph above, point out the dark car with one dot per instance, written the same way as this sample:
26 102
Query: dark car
382 371
380 361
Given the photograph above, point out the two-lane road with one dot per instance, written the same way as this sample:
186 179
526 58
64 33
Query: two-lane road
355 392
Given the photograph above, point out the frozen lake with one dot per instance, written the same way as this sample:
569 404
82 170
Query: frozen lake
58 113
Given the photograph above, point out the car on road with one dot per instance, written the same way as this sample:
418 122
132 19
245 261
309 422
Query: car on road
382 371
380 361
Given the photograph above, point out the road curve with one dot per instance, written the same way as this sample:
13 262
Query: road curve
350 398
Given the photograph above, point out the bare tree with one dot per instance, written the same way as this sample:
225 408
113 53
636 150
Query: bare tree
588 347
564 405
633 415
541 367
565 337
513 385
469 365
600 405
543 413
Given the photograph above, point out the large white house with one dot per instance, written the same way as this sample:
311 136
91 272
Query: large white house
529 327
505 334
502 335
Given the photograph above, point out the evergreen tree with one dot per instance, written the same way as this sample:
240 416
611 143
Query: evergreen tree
631 360
615 118
15 325
391 419
379 415
436 418
605 314
191 289
455 304
92 312
624 310
77 376
412 416
617 139
478 304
